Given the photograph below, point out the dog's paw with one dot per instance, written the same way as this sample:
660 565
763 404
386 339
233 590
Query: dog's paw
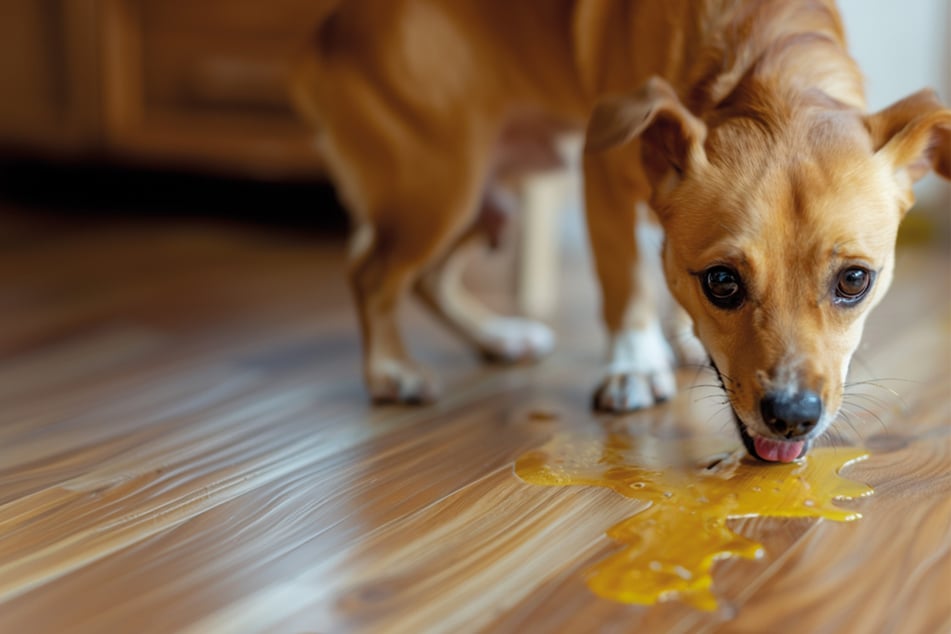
513 339
640 373
629 391
400 382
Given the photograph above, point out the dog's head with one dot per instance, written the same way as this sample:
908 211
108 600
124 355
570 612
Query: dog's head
780 223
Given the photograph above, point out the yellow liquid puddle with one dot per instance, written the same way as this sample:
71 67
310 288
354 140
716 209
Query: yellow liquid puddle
670 547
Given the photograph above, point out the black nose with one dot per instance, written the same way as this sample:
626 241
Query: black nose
791 415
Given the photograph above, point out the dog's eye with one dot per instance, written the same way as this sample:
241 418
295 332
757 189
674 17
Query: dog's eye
723 287
852 285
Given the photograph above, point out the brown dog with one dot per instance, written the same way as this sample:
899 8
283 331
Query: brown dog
741 123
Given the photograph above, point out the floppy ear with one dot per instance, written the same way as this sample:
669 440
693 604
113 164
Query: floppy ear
654 113
915 135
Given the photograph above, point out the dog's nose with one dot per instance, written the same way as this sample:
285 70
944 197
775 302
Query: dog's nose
791 415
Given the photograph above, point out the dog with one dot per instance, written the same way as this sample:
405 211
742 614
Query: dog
739 126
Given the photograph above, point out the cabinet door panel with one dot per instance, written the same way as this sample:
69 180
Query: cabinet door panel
206 83
48 75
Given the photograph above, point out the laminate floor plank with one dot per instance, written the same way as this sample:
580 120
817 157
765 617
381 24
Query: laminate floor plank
185 446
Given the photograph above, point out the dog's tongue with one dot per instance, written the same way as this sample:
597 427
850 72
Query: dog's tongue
777 450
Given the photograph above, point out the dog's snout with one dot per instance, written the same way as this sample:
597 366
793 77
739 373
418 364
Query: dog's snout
791 415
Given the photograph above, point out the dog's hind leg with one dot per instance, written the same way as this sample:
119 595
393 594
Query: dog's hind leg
400 234
640 361
497 337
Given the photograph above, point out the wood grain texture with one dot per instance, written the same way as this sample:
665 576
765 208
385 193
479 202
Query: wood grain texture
185 446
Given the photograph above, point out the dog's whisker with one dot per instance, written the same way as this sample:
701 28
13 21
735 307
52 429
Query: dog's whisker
850 392
696 376
725 426
848 421
868 397
835 446
849 388
695 386
869 412
707 397
878 381
719 389
862 408
726 377
716 413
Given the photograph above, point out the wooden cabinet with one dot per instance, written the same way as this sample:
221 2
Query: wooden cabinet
186 83
49 84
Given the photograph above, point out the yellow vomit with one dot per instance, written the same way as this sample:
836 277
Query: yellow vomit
671 546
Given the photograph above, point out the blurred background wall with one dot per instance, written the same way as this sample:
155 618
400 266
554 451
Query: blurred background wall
903 46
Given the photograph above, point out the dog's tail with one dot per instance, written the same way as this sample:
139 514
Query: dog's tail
307 68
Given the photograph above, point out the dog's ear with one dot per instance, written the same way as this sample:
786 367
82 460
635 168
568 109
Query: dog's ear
654 113
914 134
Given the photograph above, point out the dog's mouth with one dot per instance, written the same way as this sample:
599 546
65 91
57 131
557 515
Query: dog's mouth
771 449
763 448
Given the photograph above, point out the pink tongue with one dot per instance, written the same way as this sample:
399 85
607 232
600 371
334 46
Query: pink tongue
777 450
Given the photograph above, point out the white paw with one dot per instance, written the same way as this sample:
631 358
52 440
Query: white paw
629 391
393 381
513 339
640 373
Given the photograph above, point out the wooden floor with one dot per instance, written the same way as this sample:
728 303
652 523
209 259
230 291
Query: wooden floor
185 446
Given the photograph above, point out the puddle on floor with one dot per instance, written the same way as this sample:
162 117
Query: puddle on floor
693 488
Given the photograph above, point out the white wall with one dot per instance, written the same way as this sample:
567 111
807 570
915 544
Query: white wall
903 46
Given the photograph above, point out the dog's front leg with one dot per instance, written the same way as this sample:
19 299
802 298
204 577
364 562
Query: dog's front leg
640 362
